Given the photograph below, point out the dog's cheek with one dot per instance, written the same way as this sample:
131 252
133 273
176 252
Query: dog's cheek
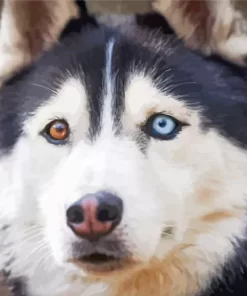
61 190
53 219
13 175
158 202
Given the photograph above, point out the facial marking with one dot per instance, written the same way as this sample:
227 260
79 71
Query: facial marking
143 99
107 116
69 103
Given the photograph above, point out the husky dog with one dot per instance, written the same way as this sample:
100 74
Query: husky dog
123 166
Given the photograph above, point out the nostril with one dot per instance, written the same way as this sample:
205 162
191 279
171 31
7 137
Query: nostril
107 213
75 215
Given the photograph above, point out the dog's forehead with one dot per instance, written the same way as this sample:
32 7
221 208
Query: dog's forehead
219 90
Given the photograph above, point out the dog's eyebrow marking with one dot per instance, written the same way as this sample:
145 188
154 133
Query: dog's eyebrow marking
107 121
109 53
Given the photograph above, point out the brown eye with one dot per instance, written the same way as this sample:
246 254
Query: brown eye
57 131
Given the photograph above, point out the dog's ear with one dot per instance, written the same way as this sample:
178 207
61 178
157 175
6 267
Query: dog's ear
27 28
214 27
154 20
83 20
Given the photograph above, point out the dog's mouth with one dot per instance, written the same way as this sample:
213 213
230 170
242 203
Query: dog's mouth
101 263
101 256
97 259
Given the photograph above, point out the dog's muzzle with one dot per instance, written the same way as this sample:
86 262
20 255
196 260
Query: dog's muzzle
93 219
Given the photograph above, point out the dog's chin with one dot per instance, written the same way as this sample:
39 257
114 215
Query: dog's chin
100 264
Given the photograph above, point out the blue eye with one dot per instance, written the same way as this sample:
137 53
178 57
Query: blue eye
163 127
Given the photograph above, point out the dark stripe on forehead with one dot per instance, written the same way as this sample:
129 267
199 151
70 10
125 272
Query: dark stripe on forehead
119 87
93 65
90 63
99 70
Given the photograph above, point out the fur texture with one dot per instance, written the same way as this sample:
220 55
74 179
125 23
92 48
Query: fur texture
184 221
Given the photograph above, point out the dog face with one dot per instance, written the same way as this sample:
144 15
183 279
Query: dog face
109 110
114 117
118 150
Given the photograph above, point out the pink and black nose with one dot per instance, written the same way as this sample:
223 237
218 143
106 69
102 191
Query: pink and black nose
95 215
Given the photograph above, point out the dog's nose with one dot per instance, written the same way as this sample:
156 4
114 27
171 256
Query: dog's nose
95 215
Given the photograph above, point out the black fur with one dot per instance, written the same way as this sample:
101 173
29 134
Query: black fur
233 281
16 286
154 20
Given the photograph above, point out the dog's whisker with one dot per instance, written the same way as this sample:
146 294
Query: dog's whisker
45 87
29 238
33 231
42 260
40 246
